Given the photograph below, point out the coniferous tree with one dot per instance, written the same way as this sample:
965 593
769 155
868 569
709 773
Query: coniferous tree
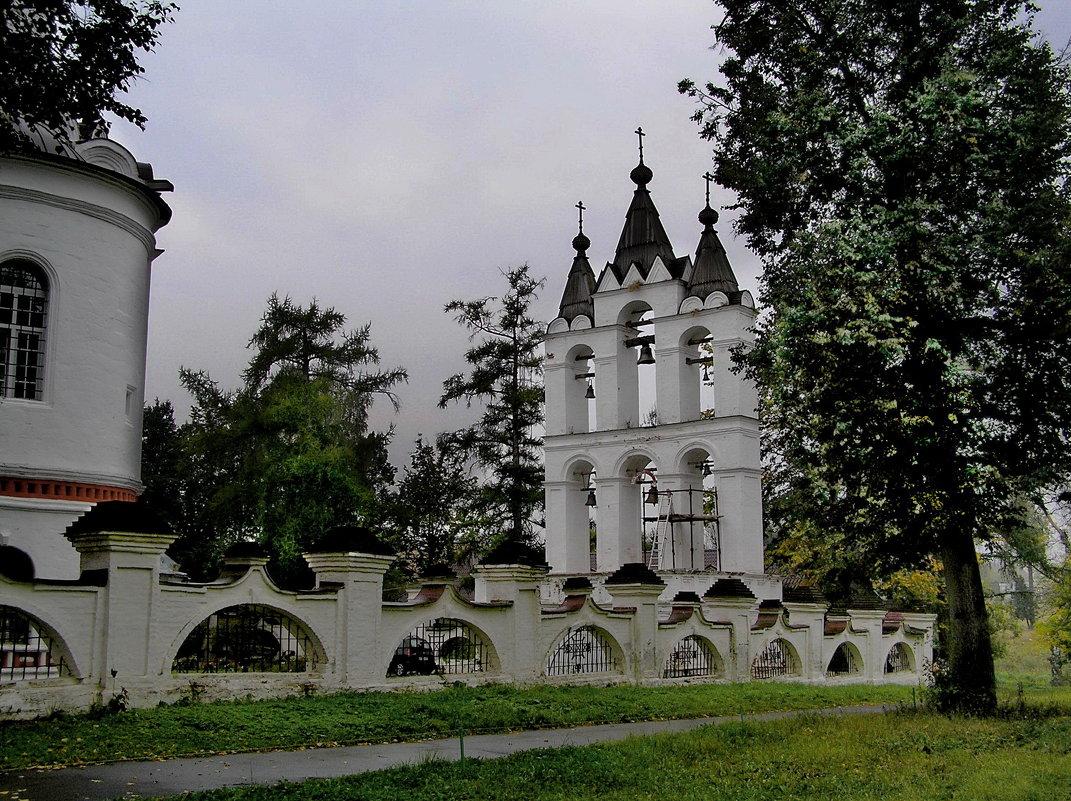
506 377
901 169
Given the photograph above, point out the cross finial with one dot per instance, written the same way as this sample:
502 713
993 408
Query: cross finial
708 177
580 206
641 134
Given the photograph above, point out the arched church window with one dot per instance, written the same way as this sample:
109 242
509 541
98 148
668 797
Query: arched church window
23 314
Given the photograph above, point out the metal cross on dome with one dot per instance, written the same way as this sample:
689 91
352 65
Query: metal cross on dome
580 205
708 177
639 132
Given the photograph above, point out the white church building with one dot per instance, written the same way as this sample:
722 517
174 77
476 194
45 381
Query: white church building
654 544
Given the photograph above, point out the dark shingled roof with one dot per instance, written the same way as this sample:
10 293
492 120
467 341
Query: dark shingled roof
136 518
580 285
712 272
865 598
803 594
351 539
643 237
634 573
246 550
729 588
515 553
576 584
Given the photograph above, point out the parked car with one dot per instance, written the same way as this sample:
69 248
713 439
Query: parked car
413 655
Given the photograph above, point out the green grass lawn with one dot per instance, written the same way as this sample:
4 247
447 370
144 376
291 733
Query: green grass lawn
349 718
896 757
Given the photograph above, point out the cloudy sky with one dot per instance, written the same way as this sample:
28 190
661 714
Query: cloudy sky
387 157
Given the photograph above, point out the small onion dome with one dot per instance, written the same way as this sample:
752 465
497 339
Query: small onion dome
581 243
245 550
129 517
441 571
634 573
708 216
576 584
15 564
729 588
515 553
351 539
686 598
641 175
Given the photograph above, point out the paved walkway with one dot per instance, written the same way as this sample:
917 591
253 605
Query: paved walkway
128 780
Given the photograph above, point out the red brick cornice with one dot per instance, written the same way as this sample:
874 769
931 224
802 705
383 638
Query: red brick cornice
63 490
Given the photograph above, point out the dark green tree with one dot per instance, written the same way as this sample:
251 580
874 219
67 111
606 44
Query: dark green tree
64 61
901 169
289 454
506 376
428 511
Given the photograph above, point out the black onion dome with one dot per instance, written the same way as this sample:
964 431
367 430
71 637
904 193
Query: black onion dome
581 243
635 573
641 175
135 517
515 553
351 539
708 216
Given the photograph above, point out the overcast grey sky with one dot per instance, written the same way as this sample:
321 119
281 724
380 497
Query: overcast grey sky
387 157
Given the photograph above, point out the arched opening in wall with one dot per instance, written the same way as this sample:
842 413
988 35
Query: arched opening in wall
248 638
445 645
642 527
846 661
692 656
582 514
638 316
777 659
29 650
23 317
580 414
697 375
695 514
580 650
900 659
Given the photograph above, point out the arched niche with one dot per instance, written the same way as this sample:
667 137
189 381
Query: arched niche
693 656
444 645
778 659
900 659
846 661
249 638
30 650
579 392
696 374
583 650
581 503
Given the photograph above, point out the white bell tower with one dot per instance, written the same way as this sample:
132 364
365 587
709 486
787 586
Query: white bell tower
652 441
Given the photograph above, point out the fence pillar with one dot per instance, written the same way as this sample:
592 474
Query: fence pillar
519 586
636 586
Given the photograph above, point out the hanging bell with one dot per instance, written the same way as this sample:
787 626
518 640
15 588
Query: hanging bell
590 392
591 499
706 374
646 356
652 496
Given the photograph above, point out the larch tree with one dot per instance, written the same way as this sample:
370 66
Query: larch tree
506 377
64 63
900 168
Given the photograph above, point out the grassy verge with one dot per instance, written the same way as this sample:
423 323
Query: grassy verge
899 757
350 718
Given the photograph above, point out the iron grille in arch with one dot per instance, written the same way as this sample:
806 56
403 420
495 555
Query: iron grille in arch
27 651
899 659
777 659
844 662
691 657
581 650
247 639
445 645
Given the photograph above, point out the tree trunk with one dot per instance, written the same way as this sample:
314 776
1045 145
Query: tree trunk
970 684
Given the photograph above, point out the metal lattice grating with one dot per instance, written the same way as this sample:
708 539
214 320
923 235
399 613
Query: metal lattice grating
899 659
247 639
692 657
446 646
777 659
581 650
23 310
26 650
844 662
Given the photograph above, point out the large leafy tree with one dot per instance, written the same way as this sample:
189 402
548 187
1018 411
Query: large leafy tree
900 168
64 62
289 454
506 377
